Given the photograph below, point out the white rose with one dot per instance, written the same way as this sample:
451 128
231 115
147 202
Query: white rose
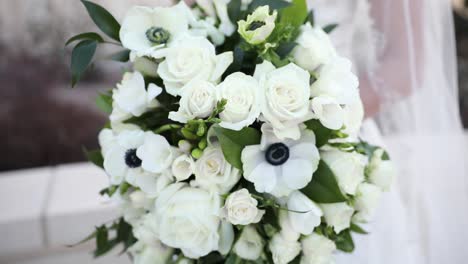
242 94
145 30
366 201
131 95
214 173
317 249
304 215
328 112
191 58
337 215
285 104
155 153
283 250
183 167
335 79
140 200
132 213
353 117
240 208
249 246
187 219
198 101
348 168
314 48
150 254
381 172
258 26
146 230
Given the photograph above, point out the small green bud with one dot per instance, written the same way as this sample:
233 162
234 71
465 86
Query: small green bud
184 146
124 187
197 153
188 134
201 129
202 144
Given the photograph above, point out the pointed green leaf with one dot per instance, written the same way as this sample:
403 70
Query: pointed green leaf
233 142
274 4
95 156
285 49
87 35
357 229
329 28
310 18
322 134
82 55
234 10
104 103
295 14
103 19
324 188
344 241
122 56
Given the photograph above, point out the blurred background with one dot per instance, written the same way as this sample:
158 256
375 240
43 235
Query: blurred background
44 122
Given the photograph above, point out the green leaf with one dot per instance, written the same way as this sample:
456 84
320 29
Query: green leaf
104 103
295 14
310 18
150 120
87 35
285 49
121 56
322 134
234 10
357 229
95 156
82 55
324 188
344 241
103 19
274 4
329 28
233 142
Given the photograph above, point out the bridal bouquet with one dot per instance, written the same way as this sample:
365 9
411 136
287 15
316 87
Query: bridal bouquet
233 135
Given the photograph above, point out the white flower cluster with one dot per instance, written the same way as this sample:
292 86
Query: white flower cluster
214 152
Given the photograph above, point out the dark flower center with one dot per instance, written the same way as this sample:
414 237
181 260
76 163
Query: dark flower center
256 24
131 159
277 154
158 35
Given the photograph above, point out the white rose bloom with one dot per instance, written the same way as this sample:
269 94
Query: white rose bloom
187 219
336 80
249 246
280 167
317 249
285 100
183 167
283 250
353 117
191 58
198 101
258 26
214 173
139 199
381 172
146 230
150 254
240 208
242 93
328 112
287 230
131 212
120 159
131 94
155 153
366 201
337 215
151 183
145 30
348 168
304 215
314 48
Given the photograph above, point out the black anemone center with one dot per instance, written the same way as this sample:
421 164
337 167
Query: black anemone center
131 159
256 24
158 35
277 154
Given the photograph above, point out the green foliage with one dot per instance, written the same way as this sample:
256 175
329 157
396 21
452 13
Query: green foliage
295 14
94 156
324 188
104 102
123 235
85 36
357 229
103 19
344 241
329 28
109 191
322 134
310 18
150 120
82 56
234 10
121 56
233 142
284 49
274 4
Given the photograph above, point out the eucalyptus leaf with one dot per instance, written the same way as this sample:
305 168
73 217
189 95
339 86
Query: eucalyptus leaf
295 14
82 56
104 103
274 4
87 35
103 19
233 142
329 28
94 156
324 188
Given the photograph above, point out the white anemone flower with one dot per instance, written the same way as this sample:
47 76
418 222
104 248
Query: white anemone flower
280 167
146 30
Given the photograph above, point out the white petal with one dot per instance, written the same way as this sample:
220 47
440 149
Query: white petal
297 173
114 164
133 30
223 61
264 177
263 69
